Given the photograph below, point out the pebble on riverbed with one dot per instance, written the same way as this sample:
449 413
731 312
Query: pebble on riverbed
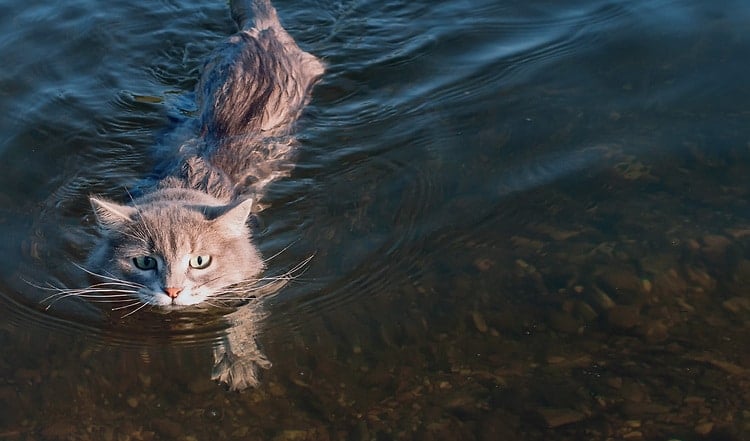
553 418
624 317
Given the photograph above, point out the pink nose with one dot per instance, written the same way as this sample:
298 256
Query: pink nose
173 292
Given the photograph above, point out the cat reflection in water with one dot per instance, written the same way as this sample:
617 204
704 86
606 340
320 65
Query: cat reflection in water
187 242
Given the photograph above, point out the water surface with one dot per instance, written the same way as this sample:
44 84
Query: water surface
529 220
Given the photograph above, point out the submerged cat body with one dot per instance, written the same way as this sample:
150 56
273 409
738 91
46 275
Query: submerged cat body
186 242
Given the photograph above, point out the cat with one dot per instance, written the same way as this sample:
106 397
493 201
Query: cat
186 242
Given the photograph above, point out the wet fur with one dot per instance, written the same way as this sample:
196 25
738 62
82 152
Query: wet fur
253 88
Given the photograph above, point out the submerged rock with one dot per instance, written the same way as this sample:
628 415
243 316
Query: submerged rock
715 247
624 317
479 322
553 418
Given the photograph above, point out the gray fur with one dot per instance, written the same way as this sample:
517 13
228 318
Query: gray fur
253 88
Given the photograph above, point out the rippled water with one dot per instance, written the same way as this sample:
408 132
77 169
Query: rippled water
529 220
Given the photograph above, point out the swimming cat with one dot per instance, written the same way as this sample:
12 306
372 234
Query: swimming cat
187 242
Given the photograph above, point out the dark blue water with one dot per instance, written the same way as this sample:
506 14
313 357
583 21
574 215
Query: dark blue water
529 220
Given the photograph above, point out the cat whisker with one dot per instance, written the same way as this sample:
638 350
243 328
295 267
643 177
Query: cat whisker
237 293
110 278
135 310
299 267
129 305
104 286
280 252
49 287
96 288
113 295
291 274
218 303
226 300
272 279
90 294
97 292
113 287
107 299
257 288
100 292
93 300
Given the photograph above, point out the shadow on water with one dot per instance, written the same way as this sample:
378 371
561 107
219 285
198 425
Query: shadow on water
528 221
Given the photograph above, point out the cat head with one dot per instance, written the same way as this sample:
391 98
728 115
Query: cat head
174 251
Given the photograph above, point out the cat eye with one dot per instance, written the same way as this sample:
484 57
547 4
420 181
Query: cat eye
200 262
144 262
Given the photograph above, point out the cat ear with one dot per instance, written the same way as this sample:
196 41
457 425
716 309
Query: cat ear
111 215
235 216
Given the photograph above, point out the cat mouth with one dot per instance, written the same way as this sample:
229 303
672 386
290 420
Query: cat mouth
171 298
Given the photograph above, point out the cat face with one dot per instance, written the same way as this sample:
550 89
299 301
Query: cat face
174 251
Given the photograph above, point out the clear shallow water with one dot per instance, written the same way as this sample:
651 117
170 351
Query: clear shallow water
529 221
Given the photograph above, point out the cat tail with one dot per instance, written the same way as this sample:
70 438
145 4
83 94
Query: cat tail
259 81
259 14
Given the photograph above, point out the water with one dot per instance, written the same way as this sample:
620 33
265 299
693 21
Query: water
529 221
